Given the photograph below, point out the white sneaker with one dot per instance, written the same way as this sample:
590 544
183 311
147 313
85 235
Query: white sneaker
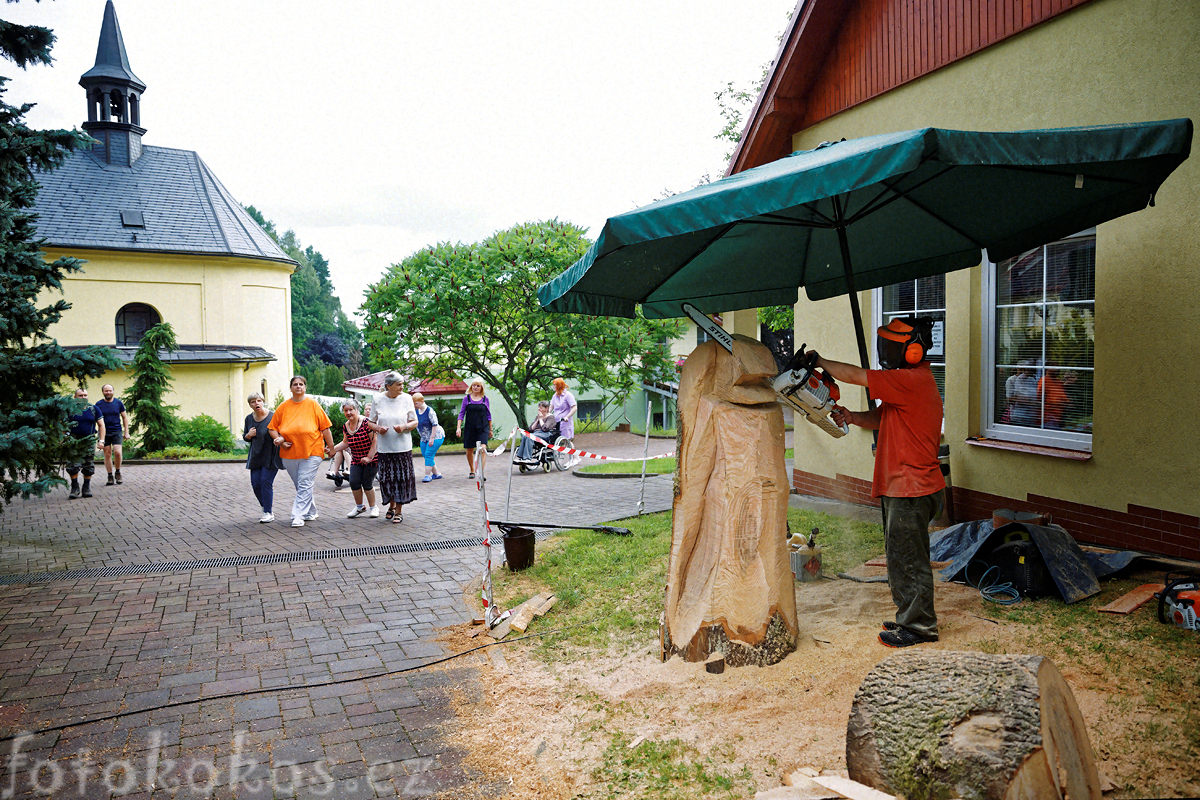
310 517
374 512
357 510
267 517
297 522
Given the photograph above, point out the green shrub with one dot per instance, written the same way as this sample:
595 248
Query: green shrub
176 453
338 418
204 433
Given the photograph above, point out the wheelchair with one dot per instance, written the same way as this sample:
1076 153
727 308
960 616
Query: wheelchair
545 457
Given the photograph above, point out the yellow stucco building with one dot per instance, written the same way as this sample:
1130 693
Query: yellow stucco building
1115 307
164 241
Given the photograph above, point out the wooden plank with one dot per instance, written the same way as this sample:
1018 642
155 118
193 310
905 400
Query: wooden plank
1133 599
546 606
851 789
524 613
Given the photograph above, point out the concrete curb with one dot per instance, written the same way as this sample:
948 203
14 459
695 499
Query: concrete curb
617 474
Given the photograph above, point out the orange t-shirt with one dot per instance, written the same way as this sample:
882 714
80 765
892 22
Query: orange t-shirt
301 424
910 430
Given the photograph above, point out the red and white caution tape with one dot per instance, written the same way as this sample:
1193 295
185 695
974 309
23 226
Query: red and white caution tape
571 451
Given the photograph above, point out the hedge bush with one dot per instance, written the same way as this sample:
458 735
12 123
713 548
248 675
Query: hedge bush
204 433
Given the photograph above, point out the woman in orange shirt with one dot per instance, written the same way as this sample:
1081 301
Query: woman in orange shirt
301 429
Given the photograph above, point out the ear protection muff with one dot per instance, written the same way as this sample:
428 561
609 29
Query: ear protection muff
914 352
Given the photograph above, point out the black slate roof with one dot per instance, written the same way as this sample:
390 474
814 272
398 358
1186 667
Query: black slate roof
184 207
195 354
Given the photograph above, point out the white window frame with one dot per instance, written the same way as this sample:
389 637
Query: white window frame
1069 440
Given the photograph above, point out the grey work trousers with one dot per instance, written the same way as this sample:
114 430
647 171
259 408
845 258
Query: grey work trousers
906 539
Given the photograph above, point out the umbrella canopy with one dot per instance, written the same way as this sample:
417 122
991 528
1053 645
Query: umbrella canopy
864 213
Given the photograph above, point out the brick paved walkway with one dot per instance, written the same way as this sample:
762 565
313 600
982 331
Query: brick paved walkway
81 648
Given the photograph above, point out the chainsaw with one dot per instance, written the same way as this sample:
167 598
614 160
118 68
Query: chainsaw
801 386
1178 600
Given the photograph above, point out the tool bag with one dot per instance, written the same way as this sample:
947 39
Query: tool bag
1020 563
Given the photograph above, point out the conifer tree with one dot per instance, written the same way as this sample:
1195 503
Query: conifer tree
34 412
155 421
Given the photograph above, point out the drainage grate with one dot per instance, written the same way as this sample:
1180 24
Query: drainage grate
243 561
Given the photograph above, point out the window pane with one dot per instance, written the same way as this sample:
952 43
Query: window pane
1071 270
1070 335
899 297
1018 335
931 292
1019 279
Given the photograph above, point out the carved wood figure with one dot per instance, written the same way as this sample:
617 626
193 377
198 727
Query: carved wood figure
730 587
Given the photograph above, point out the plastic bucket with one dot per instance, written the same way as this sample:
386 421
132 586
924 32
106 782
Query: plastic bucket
518 548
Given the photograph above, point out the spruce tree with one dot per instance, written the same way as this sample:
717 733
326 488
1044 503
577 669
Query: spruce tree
34 370
155 421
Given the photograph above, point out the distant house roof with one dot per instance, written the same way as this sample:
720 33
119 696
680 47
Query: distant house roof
196 354
182 206
374 383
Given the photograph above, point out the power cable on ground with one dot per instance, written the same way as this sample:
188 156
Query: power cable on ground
268 690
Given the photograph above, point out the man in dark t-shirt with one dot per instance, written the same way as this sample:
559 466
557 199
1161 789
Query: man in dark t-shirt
116 430
84 426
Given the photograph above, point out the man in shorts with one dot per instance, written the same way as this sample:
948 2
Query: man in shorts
84 426
116 430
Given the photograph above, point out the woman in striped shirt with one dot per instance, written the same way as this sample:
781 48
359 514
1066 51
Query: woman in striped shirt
359 439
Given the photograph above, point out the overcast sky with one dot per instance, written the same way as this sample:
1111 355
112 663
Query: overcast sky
375 127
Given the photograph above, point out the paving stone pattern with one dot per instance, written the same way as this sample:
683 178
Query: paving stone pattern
296 644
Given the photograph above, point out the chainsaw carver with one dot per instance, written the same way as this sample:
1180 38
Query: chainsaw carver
908 478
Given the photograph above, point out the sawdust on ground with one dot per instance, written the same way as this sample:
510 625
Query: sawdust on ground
540 730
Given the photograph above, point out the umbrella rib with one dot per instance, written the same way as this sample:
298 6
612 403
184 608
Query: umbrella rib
824 221
874 204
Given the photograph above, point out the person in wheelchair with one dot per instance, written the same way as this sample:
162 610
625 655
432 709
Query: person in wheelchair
545 428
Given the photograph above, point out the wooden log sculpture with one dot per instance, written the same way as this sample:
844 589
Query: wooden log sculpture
730 588
970 725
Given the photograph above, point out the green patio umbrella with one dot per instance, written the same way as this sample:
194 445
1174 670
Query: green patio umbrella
859 214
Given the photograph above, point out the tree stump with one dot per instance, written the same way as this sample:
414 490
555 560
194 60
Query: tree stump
943 724
729 581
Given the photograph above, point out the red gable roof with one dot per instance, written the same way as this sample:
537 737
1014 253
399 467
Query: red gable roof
374 383
836 54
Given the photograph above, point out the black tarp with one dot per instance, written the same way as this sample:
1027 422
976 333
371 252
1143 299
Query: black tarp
1075 571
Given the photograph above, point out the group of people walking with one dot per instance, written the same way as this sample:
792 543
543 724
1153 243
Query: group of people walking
297 436
108 422
377 444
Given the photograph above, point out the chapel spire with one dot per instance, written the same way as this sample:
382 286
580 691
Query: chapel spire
114 97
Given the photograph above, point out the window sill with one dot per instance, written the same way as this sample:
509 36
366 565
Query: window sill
1033 449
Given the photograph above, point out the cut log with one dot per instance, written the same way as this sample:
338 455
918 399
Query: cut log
970 725
729 580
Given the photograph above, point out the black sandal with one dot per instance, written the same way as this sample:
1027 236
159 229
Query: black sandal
390 514
396 520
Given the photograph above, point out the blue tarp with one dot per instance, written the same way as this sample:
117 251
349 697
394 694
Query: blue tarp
1075 571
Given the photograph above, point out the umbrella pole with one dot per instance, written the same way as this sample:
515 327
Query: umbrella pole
852 291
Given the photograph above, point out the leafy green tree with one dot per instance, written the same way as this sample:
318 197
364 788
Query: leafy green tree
34 415
471 309
151 417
